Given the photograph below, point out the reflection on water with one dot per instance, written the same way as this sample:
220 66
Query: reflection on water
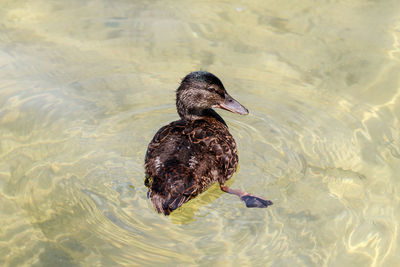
85 85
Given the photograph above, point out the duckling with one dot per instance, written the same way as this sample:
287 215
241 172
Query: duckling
187 156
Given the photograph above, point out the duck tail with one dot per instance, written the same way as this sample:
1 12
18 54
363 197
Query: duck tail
158 201
170 189
167 204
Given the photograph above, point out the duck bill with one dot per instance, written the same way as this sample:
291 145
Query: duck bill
232 105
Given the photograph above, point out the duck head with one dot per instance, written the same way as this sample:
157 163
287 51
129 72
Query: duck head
199 92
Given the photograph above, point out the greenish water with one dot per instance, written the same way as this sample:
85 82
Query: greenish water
84 85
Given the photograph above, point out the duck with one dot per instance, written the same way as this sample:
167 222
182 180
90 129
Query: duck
188 155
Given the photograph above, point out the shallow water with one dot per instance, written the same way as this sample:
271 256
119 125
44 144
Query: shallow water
84 85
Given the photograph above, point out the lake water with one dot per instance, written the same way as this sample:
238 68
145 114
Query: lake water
84 86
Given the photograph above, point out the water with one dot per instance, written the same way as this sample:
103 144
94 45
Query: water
84 85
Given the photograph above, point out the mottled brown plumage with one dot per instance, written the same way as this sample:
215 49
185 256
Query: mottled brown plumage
187 156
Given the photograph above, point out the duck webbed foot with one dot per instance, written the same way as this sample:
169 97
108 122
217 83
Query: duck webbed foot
255 202
250 200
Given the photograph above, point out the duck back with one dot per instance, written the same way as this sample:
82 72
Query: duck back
185 158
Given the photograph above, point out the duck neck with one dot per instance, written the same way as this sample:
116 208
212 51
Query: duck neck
192 114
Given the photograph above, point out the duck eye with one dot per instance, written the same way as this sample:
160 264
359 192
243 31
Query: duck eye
215 91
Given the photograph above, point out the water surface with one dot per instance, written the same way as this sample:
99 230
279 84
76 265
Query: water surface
84 85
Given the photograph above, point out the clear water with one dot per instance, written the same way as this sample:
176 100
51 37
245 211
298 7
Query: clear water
85 84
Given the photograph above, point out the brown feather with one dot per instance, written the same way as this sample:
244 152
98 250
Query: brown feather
185 159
